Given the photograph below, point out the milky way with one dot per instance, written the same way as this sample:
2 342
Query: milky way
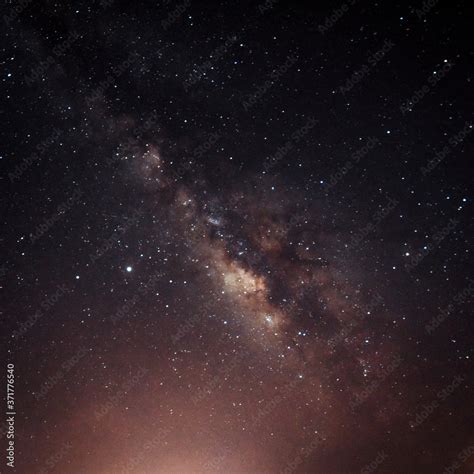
238 238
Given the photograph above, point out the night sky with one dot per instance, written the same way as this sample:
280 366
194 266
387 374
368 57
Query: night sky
236 236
